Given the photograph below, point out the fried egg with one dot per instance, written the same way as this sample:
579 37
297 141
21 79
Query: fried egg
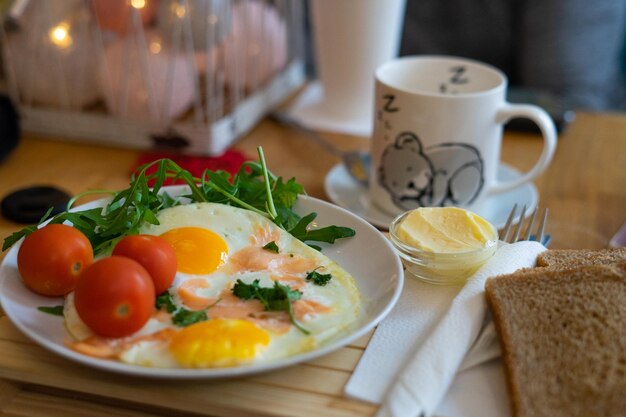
217 245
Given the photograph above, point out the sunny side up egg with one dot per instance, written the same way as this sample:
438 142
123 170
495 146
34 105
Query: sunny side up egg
216 245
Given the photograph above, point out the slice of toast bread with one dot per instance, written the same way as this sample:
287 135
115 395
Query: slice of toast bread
563 338
572 258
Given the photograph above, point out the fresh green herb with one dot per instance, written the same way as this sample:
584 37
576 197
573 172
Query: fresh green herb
317 278
125 213
181 316
326 234
277 298
184 317
11 239
269 206
166 301
55 311
253 188
272 247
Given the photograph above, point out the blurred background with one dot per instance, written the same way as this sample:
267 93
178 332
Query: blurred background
195 75
573 50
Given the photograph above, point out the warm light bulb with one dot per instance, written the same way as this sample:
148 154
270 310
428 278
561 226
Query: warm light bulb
155 47
60 35
179 10
138 4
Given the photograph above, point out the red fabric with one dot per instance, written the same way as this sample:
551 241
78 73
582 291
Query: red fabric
230 161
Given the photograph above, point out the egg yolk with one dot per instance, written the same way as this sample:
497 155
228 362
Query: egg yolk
198 251
217 343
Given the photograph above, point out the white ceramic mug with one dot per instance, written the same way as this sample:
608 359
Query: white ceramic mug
437 133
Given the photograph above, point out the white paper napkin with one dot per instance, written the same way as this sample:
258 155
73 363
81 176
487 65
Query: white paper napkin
430 335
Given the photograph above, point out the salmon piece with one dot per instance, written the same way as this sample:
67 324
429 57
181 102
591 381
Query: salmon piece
162 316
258 259
262 236
275 321
187 293
96 347
230 306
304 308
108 348
293 282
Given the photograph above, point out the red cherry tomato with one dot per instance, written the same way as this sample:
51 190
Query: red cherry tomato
114 296
51 259
153 253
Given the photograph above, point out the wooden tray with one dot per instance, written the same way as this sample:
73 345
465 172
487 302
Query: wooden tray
36 382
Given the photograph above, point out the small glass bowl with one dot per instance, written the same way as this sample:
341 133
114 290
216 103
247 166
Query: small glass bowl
441 268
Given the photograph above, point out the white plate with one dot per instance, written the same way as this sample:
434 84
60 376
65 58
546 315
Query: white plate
368 256
344 191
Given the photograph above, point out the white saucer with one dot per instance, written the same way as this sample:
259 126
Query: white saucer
344 191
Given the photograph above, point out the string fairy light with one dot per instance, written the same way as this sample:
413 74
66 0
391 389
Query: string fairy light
155 47
179 10
138 4
60 35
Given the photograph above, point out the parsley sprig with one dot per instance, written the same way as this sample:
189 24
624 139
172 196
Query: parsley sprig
277 298
254 188
317 278
180 316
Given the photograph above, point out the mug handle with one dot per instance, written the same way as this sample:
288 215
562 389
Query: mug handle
544 122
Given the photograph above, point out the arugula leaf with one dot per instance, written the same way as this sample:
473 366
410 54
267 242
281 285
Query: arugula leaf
169 201
277 298
325 234
271 209
271 247
254 188
285 194
184 317
318 279
55 311
14 237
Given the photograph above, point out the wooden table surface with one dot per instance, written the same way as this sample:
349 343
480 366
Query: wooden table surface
584 188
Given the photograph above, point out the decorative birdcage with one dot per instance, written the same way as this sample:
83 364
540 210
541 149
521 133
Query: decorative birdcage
187 74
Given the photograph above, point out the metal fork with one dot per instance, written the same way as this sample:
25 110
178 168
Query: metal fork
513 232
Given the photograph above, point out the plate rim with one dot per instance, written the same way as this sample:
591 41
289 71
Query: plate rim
208 373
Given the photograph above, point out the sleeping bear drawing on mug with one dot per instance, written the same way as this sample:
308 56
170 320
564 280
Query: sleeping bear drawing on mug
447 174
